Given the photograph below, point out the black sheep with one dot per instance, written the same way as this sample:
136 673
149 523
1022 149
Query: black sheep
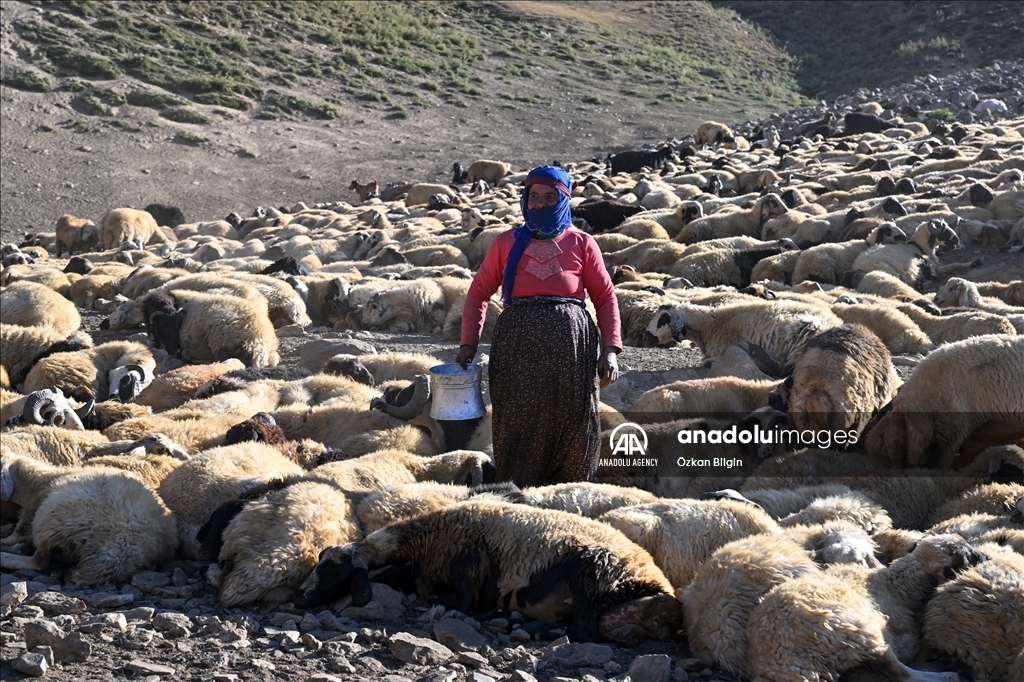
604 215
856 123
166 216
635 160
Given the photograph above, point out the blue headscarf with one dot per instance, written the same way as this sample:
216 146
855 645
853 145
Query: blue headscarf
546 222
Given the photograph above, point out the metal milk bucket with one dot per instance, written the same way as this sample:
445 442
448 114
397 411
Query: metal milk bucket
455 392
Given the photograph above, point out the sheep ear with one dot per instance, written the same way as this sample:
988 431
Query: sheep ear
6 484
360 588
965 295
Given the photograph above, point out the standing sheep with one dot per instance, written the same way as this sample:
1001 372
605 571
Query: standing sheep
126 224
75 234
488 171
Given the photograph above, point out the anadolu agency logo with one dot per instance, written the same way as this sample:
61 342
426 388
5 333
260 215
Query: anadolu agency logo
628 440
629 445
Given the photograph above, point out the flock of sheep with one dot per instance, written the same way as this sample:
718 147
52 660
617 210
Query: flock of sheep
803 269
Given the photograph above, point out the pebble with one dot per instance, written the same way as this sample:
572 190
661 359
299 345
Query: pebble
650 668
458 635
139 667
410 649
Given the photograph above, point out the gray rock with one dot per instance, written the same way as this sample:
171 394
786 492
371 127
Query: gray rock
410 649
341 665
458 635
680 675
74 647
314 354
12 594
650 668
141 613
107 600
583 654
179 578
47 654
282 618
42 633
321 677
27 612
140 667
147 581
309 622
472 659
480 677
170 620
519 635
137 638
521 676
105 621
55 603
31 664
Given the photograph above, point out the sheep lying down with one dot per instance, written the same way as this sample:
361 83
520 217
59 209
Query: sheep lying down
470 556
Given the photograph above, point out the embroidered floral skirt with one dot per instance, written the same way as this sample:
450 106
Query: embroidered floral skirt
544 393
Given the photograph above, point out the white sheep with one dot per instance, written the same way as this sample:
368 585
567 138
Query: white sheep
84 374
488 171
407 307
733 223
126 224
28 304
75 234
696 397
817 626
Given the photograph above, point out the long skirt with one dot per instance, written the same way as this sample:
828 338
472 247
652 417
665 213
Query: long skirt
544 393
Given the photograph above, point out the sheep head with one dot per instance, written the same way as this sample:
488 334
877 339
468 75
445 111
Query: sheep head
944 556
342 569
349 366
407 403
166 329
667 326
50 407
127 381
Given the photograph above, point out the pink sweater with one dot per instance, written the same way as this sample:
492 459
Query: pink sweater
564 266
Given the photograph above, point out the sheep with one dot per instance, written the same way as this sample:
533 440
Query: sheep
726 266
782 328
127 224
28 304
488 171
710 132
211 327
274 543
725 589
990 498
603 214
635 160
389 504
892 327
777 268
166 216
960 292
23 347
977 618
733 223
682 534
956 390
194 490
420 193
75 234
475 548
104 524
881 283
407 307
913 261
178 386
387 366
701 397
1011 293
817 626
649 255
958 327
84 374
585 498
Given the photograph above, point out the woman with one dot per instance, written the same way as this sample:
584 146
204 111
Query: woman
544 355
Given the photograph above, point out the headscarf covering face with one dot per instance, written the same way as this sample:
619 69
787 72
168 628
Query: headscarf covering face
546 222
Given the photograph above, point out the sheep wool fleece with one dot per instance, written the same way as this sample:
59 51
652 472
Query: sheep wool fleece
543 383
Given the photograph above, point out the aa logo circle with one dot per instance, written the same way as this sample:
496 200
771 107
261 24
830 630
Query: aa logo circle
628 439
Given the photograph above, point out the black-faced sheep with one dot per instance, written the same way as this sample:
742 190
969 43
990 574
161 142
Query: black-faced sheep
211 327
915 260
817 626
782 328
166 216
75 234
392 503
961 388
635 160
603 214
857 123
470 555
842 377
28 304
126 224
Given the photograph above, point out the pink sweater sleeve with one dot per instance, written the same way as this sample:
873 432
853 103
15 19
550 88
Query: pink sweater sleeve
602 293
485 283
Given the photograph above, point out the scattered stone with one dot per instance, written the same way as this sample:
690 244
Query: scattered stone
13 594
341 665
680 675
321 677
105 621
458 635
522 676
169 620
583 654
650 668
138 667
106 600
74 647
147 581
46 652
55 603
31 664
419 650
519 635
472 659
179 578
42 633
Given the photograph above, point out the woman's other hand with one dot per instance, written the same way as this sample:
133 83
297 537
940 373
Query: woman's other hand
608 367
466 354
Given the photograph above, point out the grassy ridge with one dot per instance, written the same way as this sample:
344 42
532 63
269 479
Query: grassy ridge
843 45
